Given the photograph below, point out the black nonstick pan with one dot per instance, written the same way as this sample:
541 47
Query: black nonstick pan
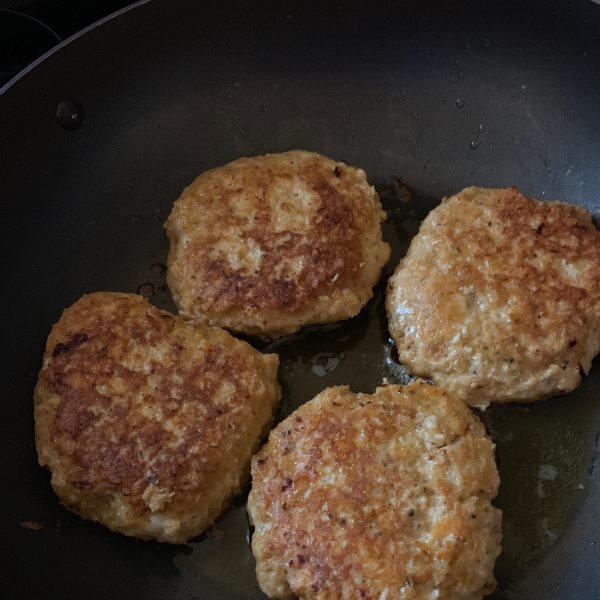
426 97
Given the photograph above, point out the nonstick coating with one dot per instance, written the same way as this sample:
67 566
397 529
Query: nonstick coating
441 95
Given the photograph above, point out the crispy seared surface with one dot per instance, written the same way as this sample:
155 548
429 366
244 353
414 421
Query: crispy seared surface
498 297
148 422
382 496
265 245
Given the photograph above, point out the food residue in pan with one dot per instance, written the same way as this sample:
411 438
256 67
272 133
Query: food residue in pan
33 525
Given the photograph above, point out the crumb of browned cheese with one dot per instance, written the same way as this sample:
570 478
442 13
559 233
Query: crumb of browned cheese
31 525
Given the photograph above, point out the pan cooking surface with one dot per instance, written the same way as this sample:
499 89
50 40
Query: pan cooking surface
441 97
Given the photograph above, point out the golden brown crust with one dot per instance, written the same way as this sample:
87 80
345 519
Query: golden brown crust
382 496
498 298
137 408
264 245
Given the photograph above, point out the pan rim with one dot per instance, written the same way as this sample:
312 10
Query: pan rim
66 41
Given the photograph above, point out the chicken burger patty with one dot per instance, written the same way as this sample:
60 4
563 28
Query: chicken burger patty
376 496
498 297
265 245
148 422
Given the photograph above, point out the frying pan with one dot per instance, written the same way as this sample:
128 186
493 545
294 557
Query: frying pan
433 96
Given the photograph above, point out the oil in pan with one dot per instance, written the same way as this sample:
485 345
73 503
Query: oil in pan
545 450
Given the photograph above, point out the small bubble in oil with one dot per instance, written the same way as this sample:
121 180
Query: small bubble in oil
157 268
460 103
146 290
473 145
325 362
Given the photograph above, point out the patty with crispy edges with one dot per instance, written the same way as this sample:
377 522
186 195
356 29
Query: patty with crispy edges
498 297
360 496
265 245
148 422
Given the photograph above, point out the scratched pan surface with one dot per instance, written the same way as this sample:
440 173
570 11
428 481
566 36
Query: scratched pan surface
439 96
